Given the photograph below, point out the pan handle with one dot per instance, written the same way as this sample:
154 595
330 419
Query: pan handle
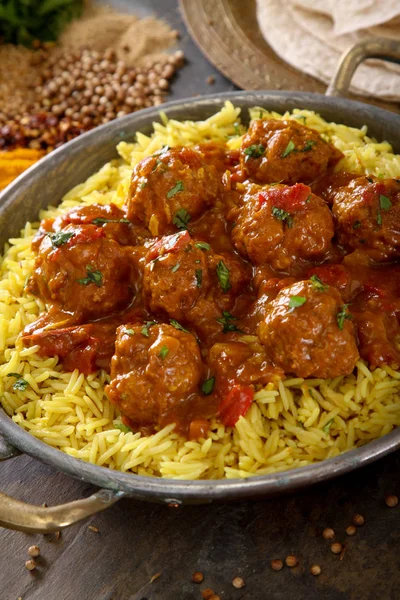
349 61
29 518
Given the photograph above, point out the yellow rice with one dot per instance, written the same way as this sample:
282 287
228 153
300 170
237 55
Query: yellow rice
291 424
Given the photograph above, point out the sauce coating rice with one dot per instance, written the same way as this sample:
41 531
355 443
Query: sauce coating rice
292 423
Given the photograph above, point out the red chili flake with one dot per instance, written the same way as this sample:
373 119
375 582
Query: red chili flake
169 243
236 404
288 198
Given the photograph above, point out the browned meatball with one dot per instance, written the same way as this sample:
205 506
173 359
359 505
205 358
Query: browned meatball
278 225
308 331
154 370
171 188
367 214
285 151
82 271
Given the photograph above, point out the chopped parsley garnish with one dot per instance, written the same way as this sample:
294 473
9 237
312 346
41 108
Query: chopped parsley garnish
122 427
175 267
21 384
203 245
100 221
146 327
143 185
342 316
356 224
130 331
226 322
307 200
326 428
223 276
317 283
156 165
369 179
178 326
178 187
385 203
199 277
254 151
282 215
163 352
379 217
163 149
296 301
236 128
60 238
181 218
289 148
308 145
95 277
208 386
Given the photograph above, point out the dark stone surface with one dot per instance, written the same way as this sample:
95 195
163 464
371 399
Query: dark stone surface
137 540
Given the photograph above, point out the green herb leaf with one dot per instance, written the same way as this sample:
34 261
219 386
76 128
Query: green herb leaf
282 215
308 146
178 187
143 185
60 238
130 331
379 217
289 148
223 276
199 277
385 203
296 301
254 151
356 224
95 277
226 322
146 327
165 148
101 221
178 326
342 315
17 375
327 426
122 427
369 179
203 245
181 219
20 385
317 283
208 386
175 267
163 352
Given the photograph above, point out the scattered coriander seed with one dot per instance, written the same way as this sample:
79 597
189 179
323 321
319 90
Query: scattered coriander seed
358 520
291 561
30 564
238 583
315 570
336 547
34 551
391 500
328 533
197 577
277 564
351 530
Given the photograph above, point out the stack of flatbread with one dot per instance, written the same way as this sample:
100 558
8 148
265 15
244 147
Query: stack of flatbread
311 35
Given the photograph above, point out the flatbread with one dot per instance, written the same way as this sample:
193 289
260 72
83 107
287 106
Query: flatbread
305 34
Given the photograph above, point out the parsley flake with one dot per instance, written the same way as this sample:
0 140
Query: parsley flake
282 215
369 179
208 386
342 316
199 277
254 151
327 426
178 187
178 326
143 185
21 384
181 219
296 301
95 277
163 352
356 224
223 276
308 146
146 327
203 245
130 331
385 203
226 322
289 148
175 267
122 427
379 217
60 238
101 221
317 283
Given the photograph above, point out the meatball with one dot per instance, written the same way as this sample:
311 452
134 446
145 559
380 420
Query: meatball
277 225
308 331
171 188
82 271
285 151
154 370
367 215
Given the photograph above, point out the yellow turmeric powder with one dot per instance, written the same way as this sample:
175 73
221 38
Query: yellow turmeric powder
14 162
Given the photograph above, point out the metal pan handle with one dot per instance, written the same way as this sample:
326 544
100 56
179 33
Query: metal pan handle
349 61
29 518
